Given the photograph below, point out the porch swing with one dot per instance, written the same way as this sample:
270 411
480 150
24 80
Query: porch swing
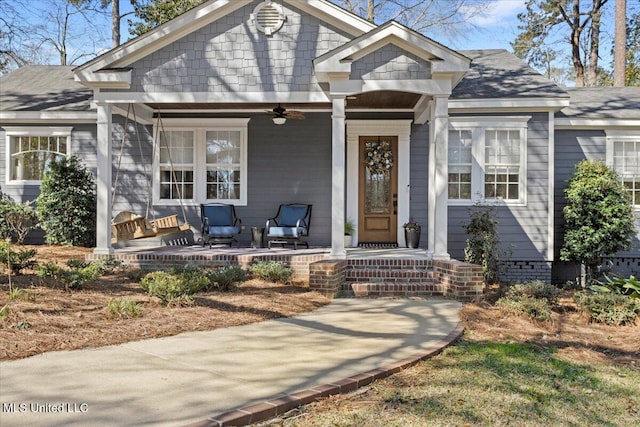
127 225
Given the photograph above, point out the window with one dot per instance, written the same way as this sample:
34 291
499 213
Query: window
623 155
31 150
487 159
202 161
460 163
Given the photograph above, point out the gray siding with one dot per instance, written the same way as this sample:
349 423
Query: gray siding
572 146
419 148
230 55
286 164
391 62
522 229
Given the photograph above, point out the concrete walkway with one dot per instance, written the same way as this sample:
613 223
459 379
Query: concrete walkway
195 377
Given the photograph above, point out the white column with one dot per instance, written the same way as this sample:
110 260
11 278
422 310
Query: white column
440 124
431 194
338 178
103 178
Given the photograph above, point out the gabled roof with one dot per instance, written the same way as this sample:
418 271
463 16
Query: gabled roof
118 59
38 88
603 103
496 73
443 59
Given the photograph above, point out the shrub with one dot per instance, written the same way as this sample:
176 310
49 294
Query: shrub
66 206
536 289
123 308
177 285
16 219
224 279
72 278
618 284
599 217
483 243
610 308
272 271
16 260
527 306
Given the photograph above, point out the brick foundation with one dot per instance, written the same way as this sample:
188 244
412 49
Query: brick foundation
526 271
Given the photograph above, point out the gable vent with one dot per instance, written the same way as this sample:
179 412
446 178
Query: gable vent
268 17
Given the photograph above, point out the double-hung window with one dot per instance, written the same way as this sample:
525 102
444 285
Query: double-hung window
623 155
201 161
487 159
32 149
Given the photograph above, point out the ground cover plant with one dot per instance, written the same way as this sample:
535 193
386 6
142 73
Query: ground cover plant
42 314
508 369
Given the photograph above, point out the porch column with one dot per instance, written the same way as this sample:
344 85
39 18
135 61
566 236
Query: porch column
439 151
103 181
338 177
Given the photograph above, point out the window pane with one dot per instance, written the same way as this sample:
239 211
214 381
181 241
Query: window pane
223 157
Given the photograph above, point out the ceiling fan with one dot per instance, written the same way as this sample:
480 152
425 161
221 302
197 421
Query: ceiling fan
281 114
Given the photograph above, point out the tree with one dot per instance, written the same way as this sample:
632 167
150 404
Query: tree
599 218
632 68
449 17
66 206
156 12
544 18
116 17
620 43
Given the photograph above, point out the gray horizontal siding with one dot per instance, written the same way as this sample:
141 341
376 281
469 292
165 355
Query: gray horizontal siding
419 179
571 147
523 230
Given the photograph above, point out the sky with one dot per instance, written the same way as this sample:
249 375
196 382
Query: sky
495 29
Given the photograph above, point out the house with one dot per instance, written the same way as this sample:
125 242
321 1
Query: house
190 113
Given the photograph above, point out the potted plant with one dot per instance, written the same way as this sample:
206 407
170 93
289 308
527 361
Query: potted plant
412 234
349 230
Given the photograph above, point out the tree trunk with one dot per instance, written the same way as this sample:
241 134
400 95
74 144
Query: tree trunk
594 45
115 23
620 51
576 30
370 11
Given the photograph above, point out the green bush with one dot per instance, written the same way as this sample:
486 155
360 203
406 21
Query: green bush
482 247
536 289
224 279
123 308
527 306
177 285
73 278
272 271
66 206
16 259
599 219
618 284
610 308
16 219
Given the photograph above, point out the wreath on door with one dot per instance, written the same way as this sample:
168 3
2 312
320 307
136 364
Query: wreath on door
379 157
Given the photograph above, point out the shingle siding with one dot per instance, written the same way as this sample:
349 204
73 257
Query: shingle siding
390 62
231 56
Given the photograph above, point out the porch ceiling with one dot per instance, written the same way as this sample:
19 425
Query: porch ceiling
379 100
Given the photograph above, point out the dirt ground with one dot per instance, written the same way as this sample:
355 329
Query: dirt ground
47 318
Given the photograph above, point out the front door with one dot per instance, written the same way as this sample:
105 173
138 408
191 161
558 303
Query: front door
378 192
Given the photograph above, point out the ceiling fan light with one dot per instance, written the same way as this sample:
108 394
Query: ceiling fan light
279 120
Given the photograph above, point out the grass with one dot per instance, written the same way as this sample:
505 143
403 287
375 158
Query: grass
489 384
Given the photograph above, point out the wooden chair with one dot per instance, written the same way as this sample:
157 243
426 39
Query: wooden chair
291 223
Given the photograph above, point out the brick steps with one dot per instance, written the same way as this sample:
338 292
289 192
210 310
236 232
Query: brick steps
396 289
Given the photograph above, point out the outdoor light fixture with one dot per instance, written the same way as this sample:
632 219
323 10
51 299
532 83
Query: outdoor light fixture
279 120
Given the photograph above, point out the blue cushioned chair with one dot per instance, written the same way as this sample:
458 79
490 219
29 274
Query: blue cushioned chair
219 224
290 224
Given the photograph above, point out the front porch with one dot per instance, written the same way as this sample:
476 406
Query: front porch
395 272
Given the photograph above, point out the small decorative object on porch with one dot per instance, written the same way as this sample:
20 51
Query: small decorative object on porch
412 233
379 157
349 230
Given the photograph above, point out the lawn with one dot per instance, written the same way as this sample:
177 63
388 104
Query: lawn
505 370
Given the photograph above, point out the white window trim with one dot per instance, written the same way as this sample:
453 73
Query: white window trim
619 135
31 131
478 127
199 127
